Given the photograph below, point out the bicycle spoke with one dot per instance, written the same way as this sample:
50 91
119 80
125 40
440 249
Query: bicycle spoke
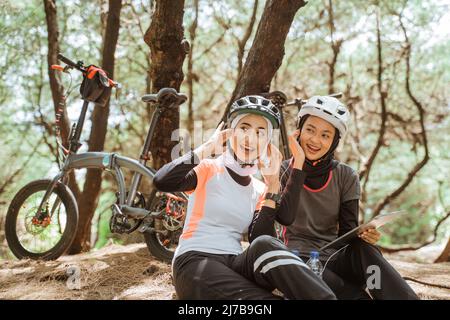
40 236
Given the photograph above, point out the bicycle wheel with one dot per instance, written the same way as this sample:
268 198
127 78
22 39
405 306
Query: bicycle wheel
41 235
167 227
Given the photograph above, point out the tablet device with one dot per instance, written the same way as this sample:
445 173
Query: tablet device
376 223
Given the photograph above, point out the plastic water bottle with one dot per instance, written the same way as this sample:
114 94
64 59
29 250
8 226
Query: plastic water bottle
314 263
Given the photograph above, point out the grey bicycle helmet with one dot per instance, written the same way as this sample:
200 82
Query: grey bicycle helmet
256 105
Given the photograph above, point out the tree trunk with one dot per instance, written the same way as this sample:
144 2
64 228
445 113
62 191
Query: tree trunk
56 86
243 42
382 90
267 49
421 111
191 76
91 189
165 39
445 255
335 47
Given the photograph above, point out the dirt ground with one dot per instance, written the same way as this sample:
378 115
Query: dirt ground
129 272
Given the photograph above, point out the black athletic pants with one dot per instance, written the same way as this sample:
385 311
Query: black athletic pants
359 262
265 265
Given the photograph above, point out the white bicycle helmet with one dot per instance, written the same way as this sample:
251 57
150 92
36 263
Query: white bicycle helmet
329 109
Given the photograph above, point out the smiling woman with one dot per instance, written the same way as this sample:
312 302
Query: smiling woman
328 208
209 262
317 137
251 137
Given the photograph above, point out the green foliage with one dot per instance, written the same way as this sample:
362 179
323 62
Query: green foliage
25 93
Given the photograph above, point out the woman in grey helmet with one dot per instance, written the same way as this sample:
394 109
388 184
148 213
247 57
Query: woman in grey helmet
328 208
209 262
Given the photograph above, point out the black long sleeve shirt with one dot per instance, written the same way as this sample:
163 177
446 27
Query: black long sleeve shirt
263 223
179 176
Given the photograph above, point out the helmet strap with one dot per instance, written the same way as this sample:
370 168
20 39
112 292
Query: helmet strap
239 161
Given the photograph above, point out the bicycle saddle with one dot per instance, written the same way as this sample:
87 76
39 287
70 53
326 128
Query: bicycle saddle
165 96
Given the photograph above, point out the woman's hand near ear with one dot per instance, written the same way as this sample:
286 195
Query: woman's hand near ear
271 170
215 144
296 150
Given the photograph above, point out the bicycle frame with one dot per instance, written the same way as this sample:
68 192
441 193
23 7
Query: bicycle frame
111 162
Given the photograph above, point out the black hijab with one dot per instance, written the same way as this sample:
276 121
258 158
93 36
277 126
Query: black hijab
317 172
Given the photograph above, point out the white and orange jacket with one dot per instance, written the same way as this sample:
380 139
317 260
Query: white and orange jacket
220 207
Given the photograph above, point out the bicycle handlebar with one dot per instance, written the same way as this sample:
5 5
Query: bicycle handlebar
336 95
80 67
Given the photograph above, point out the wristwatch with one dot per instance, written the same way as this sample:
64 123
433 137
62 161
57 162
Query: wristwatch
276 197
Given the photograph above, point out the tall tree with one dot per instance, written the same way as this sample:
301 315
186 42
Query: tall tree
267 49
91 189
242 42
382 90
445 254
165 37
336 46
56 85
191 75
423 133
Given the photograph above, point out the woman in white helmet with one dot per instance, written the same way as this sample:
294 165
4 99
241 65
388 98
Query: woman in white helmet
329 204
209 262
